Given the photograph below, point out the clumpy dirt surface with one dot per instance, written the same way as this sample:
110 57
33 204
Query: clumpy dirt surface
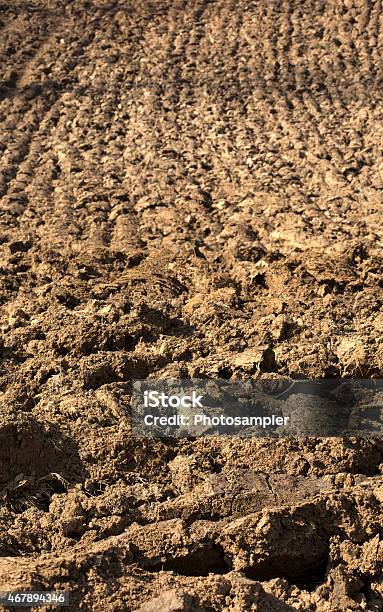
189 188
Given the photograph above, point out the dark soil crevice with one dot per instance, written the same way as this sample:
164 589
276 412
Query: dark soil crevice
302 571
200 562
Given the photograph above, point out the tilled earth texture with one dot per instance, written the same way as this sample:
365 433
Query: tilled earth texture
189 188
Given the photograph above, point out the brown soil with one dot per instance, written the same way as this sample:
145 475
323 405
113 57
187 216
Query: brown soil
188 188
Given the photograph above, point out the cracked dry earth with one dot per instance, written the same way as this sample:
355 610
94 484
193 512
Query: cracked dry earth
189 188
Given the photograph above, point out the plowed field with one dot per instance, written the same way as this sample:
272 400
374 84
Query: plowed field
188 188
